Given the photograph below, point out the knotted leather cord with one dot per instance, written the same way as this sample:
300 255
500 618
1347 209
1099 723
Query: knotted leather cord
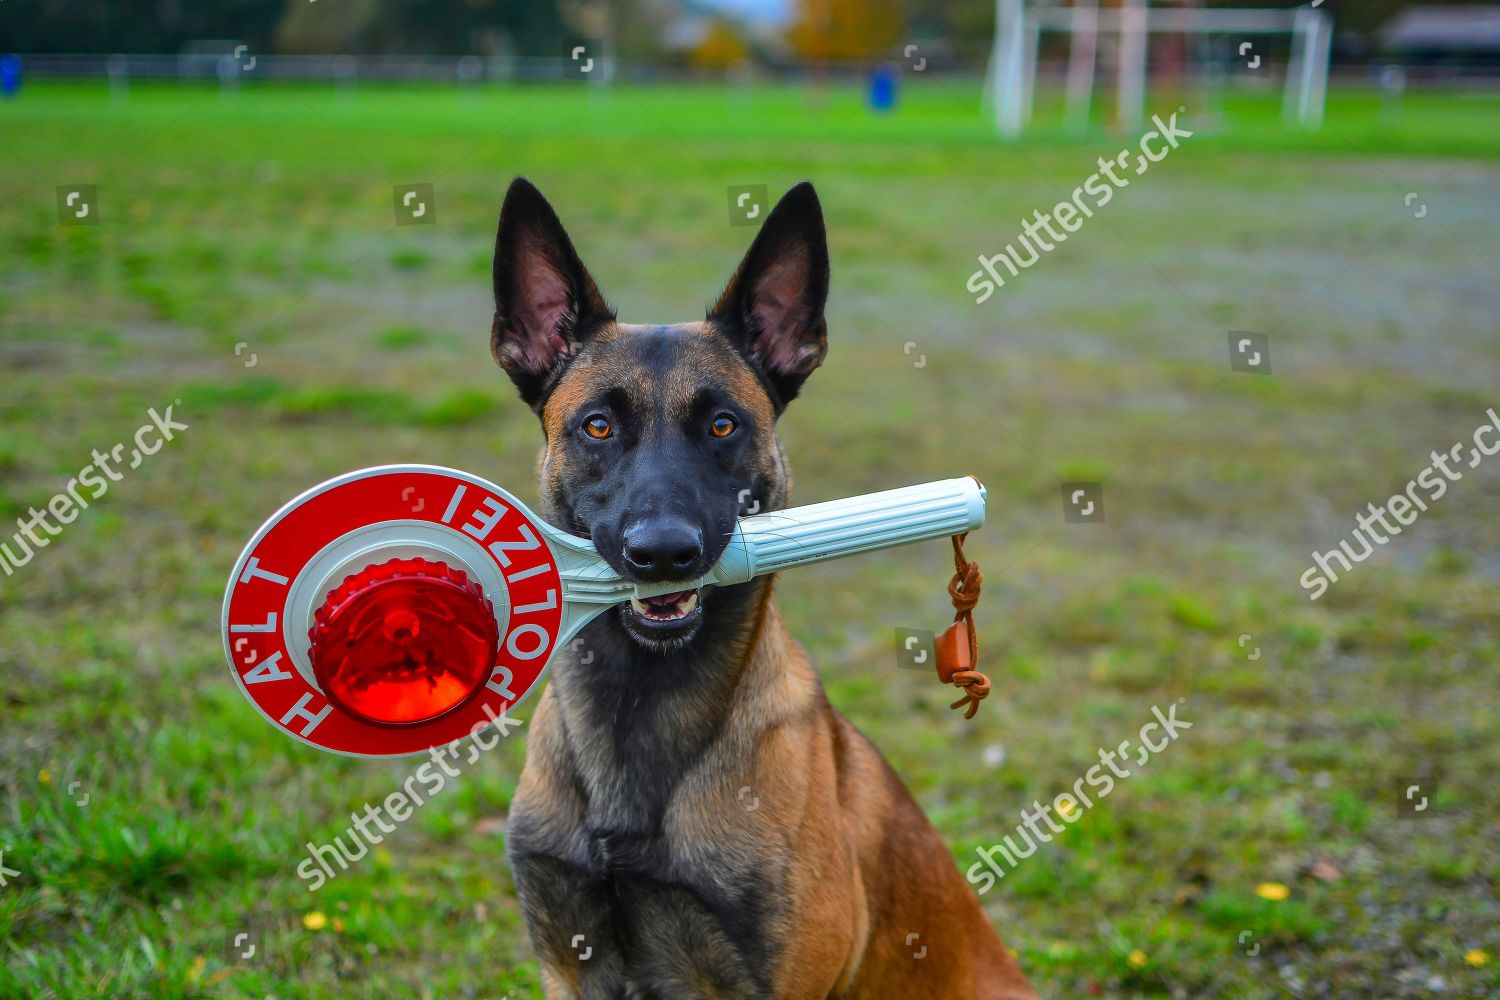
964 590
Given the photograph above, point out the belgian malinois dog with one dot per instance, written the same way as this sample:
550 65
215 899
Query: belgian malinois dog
694 818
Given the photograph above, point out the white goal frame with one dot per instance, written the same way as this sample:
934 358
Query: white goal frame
1010 79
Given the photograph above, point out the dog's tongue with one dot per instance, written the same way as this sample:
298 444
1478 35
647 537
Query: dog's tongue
668 600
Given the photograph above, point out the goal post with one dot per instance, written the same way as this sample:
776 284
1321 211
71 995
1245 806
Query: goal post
1010 79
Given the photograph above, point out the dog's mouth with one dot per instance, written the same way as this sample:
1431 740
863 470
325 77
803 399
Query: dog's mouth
664 619
673 609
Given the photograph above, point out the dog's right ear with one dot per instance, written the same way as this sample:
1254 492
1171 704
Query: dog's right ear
773 307
546 302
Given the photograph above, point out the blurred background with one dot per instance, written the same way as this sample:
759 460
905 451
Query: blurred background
212 206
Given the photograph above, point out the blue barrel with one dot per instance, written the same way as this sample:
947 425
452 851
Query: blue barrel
882 94
10 74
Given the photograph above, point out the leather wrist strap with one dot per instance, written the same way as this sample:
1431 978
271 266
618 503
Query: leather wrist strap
958 646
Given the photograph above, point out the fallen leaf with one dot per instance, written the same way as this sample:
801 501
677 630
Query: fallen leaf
1325 870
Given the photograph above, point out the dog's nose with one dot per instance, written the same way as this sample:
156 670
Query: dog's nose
663 549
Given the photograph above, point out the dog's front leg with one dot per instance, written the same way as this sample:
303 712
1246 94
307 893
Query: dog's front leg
568 915
681 950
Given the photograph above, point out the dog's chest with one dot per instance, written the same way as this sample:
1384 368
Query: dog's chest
616 851
673 825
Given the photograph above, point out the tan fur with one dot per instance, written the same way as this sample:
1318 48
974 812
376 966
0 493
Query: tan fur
863 867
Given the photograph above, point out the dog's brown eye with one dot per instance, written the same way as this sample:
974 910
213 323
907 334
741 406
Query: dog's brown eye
598 428
723 426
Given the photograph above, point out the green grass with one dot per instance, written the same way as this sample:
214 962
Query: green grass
264 223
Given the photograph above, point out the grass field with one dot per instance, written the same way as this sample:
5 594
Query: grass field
248 264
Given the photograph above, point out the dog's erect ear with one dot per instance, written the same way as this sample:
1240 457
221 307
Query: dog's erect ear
773 307
546 303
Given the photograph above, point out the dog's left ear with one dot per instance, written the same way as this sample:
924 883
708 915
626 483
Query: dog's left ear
773 307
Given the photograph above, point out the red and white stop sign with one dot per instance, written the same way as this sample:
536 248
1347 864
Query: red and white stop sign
392 610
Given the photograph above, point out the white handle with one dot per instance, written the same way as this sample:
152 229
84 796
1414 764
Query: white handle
769 543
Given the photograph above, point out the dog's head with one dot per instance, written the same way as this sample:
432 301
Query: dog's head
658 437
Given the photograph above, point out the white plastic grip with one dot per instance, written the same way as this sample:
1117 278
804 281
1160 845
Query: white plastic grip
771 542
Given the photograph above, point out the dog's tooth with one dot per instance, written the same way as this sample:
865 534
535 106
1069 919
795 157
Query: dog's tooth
690 603
639 605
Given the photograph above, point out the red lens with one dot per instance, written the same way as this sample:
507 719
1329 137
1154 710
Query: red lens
404 642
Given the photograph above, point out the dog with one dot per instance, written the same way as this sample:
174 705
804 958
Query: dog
694 819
